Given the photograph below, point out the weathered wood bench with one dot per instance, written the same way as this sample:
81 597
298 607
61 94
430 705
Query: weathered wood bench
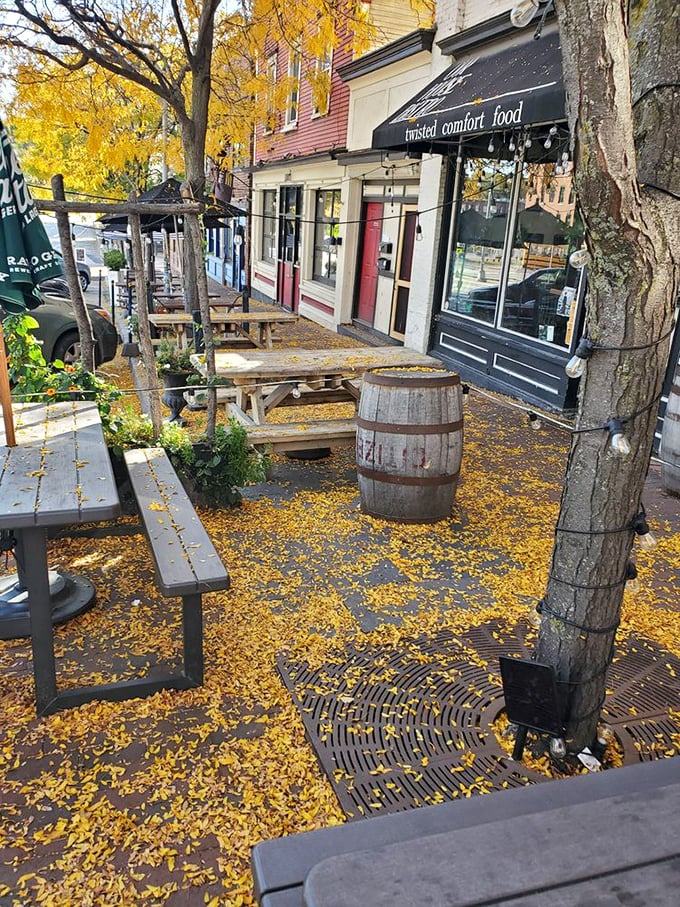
303 435
186 562
281 866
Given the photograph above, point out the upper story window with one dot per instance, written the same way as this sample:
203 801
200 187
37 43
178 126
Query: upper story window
270 121
293 99
322 84
268 250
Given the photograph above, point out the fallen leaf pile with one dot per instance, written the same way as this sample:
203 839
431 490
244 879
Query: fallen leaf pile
158 801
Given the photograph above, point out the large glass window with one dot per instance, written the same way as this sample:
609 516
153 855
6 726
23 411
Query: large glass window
512 236
326 231
540 285
269 225
476 257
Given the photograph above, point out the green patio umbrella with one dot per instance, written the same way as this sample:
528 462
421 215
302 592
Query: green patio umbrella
26 256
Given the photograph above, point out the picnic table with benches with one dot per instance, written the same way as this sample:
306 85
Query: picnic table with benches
300 377
232 326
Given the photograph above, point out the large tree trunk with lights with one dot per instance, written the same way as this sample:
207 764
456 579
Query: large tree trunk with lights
623 107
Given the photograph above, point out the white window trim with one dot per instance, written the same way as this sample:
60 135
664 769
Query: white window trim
316 113
294 62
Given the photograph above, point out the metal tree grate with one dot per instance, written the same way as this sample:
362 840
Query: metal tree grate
399 728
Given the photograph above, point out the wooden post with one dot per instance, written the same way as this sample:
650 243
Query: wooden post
5 395
148 357
80 309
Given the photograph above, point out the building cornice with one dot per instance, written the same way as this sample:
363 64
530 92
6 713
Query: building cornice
482 33
408 46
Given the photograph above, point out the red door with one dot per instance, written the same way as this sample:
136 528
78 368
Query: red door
368 271
289 247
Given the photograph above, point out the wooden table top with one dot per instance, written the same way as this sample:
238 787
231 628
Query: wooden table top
292 363
60 471
162 319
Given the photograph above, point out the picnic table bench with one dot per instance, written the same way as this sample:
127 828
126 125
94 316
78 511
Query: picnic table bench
611 827
186 562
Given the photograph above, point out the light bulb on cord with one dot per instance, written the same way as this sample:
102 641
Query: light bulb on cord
465 388
296 392
641 527
522 14
619 442
511 143
527 142
491 147
534 422
632 582
548 142
580 258
419 232
576 365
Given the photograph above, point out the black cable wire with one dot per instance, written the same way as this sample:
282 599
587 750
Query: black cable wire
644 346
542 608
574 585
623 420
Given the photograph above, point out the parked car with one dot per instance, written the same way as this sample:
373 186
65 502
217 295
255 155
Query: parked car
84 273
58 330
527 303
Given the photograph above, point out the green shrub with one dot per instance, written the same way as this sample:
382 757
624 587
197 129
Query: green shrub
225 465
114 259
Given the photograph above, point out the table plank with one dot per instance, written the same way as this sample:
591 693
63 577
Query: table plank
294 363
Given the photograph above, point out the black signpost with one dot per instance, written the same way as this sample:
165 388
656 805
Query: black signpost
532 699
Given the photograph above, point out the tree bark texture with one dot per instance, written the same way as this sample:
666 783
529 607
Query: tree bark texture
148 356
633 235
87 342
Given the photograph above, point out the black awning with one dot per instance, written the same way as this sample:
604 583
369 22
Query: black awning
514 88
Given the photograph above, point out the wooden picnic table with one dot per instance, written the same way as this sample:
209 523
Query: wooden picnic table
267 379
235 322
58 474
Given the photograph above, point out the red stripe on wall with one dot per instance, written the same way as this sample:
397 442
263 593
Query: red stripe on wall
265 279
318 305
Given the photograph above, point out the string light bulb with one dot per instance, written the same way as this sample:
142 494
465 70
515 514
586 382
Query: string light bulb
491 147
619 442
522 14
527 142
632 582
296 392
465 388
548 142
534 421
580 258
641 528
558 747
511 143
576 365
419 232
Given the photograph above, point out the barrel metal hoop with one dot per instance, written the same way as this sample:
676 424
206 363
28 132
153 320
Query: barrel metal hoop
449 380
407 480
397 428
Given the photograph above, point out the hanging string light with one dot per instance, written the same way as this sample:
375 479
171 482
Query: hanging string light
419 229
534 421
576 365
641 528
619 442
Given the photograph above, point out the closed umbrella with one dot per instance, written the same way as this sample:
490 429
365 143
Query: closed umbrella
26 256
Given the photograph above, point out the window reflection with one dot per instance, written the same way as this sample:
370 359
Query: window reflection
476 257
540 288
546 232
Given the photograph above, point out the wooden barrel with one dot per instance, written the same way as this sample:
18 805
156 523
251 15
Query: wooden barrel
409 444
669 450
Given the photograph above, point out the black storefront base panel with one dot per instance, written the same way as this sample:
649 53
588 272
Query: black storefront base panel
505 363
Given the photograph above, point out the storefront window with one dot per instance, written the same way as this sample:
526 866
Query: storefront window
269 225
546 232
326 232
512 237
476 256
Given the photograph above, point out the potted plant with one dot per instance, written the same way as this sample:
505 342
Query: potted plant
222 466
174 368
115 261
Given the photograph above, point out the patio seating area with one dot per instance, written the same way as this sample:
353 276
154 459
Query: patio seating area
161 800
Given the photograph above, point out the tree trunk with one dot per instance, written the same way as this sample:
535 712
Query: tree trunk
148 357
87 342
632 234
